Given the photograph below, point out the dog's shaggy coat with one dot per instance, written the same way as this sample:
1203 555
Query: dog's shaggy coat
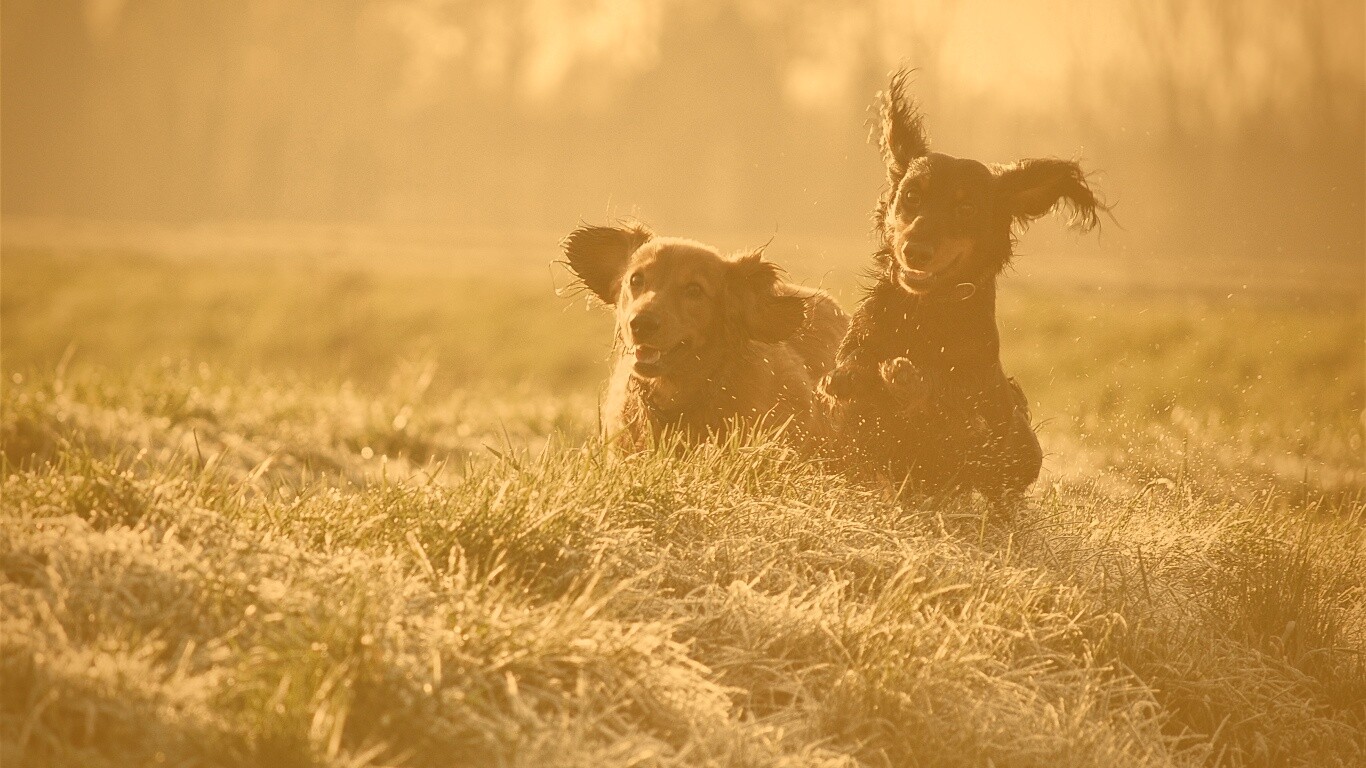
919 391
705 342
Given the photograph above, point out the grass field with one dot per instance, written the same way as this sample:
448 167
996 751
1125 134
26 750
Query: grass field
347 509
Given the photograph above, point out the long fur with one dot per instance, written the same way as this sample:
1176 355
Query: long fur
769 342
918 390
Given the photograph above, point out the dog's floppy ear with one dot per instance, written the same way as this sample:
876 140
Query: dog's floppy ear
1032 188
598 255
765 312
903 136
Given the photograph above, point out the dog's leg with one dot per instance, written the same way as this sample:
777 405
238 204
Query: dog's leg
1023 454
909 386
856 374
1010 459
849 380
1005 505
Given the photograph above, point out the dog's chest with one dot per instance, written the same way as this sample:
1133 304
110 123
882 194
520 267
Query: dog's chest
943 338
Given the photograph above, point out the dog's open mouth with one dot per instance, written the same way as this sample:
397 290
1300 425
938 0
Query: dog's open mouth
651 360
919 280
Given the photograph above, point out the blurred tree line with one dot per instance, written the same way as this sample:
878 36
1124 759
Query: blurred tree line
1235 126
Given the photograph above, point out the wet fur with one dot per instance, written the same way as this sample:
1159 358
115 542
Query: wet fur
767 343
919 392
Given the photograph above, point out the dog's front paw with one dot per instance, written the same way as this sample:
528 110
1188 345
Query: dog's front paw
905 382
843 383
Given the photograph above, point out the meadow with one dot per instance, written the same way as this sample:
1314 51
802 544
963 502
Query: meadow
346 507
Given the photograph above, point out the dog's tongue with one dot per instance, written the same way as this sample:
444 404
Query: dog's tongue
648 355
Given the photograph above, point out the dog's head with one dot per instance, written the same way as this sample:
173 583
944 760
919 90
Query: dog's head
945 220
680 303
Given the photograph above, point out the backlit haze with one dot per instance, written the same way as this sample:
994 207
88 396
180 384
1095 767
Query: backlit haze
1227 133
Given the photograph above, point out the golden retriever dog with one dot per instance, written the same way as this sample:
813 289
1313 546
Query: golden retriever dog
705 343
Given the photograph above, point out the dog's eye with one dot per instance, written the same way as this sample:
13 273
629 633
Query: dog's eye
637 280
694 291
910 197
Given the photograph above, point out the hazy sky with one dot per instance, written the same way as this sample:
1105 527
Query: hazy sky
1235 125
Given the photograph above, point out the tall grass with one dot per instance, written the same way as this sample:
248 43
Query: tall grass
208 561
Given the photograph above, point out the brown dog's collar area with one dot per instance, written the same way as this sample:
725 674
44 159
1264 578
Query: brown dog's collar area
960 292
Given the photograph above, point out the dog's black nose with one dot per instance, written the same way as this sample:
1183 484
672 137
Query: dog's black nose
643 326
916 254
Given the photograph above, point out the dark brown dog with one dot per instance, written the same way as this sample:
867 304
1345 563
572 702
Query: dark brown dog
705 342
919 390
